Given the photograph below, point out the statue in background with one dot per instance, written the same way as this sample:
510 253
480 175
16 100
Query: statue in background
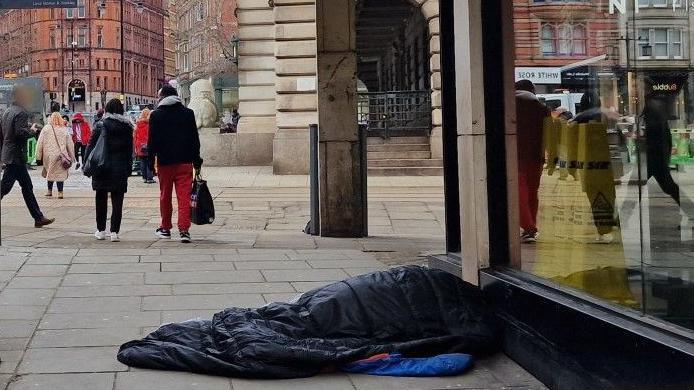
202 103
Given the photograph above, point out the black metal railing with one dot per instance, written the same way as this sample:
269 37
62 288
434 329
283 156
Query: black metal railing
395 113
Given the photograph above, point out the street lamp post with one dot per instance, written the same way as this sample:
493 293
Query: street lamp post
74 46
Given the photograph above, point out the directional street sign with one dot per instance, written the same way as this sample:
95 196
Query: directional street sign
10 4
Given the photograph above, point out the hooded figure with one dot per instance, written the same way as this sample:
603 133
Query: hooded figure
81 133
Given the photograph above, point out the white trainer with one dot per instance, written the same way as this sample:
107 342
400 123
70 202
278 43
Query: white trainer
100 235
114 237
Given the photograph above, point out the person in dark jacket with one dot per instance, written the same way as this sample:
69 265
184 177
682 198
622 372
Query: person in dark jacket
118 131
659 146
14 133
530 114
175 144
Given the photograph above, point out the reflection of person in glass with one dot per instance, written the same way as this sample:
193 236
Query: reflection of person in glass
530 114
659 146
597 177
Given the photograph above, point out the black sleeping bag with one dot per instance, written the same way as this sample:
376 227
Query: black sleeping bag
411 310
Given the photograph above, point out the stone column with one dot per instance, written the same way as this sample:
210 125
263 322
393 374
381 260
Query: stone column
256 82
430 10
341 196
472 153
295 84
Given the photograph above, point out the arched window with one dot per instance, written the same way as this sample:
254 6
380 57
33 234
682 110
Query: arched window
548 38
580 38
565 36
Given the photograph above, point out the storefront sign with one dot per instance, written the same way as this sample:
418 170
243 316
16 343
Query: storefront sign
539 75
10 4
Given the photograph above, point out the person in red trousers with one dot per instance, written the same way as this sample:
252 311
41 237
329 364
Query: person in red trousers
530 117
174 144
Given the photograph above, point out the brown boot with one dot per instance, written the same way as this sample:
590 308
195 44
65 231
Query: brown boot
43 222
48 194
60 194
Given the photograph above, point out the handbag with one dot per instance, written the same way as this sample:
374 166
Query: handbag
201 202
96 162
63 157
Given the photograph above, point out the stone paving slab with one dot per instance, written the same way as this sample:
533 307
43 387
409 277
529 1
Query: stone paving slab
70 360
103 381
105 321
148 380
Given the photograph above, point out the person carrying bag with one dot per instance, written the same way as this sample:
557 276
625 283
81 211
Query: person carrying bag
55 155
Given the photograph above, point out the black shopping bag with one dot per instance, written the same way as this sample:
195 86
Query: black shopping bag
201 202
96 162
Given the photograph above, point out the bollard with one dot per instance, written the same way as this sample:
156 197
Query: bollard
363 155
313 227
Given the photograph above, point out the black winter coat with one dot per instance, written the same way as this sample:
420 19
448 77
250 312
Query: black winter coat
15 131
119 143
173 134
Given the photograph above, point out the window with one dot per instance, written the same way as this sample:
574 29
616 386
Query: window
99 37
82 37
664 43
563 39
51 39
548 39
80 9
614 225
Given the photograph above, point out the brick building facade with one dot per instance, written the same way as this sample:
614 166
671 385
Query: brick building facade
81 47
579 36
204 33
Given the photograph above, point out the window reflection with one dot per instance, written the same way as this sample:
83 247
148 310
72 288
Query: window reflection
605 116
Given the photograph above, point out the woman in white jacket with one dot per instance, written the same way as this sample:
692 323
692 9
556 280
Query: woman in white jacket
54 140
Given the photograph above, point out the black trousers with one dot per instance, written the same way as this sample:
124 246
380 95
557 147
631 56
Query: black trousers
18 173
145 168
79 151
102 210
60 186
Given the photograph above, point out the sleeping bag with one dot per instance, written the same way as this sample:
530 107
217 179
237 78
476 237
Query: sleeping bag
413 311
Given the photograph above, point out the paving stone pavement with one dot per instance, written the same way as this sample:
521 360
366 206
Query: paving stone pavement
67 301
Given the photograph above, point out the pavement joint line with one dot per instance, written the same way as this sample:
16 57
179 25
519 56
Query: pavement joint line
15 372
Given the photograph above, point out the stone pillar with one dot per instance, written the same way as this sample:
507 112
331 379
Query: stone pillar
256 82
341 196
295 84
472 147
430 10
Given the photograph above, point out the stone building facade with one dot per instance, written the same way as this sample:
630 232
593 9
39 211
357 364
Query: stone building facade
278 74
80 48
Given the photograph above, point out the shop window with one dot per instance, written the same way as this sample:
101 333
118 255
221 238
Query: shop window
605 152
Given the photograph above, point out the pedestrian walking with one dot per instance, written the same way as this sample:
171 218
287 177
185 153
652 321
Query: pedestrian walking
175 144
113 179
15 130
141 147
530 114
81 132
54 150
